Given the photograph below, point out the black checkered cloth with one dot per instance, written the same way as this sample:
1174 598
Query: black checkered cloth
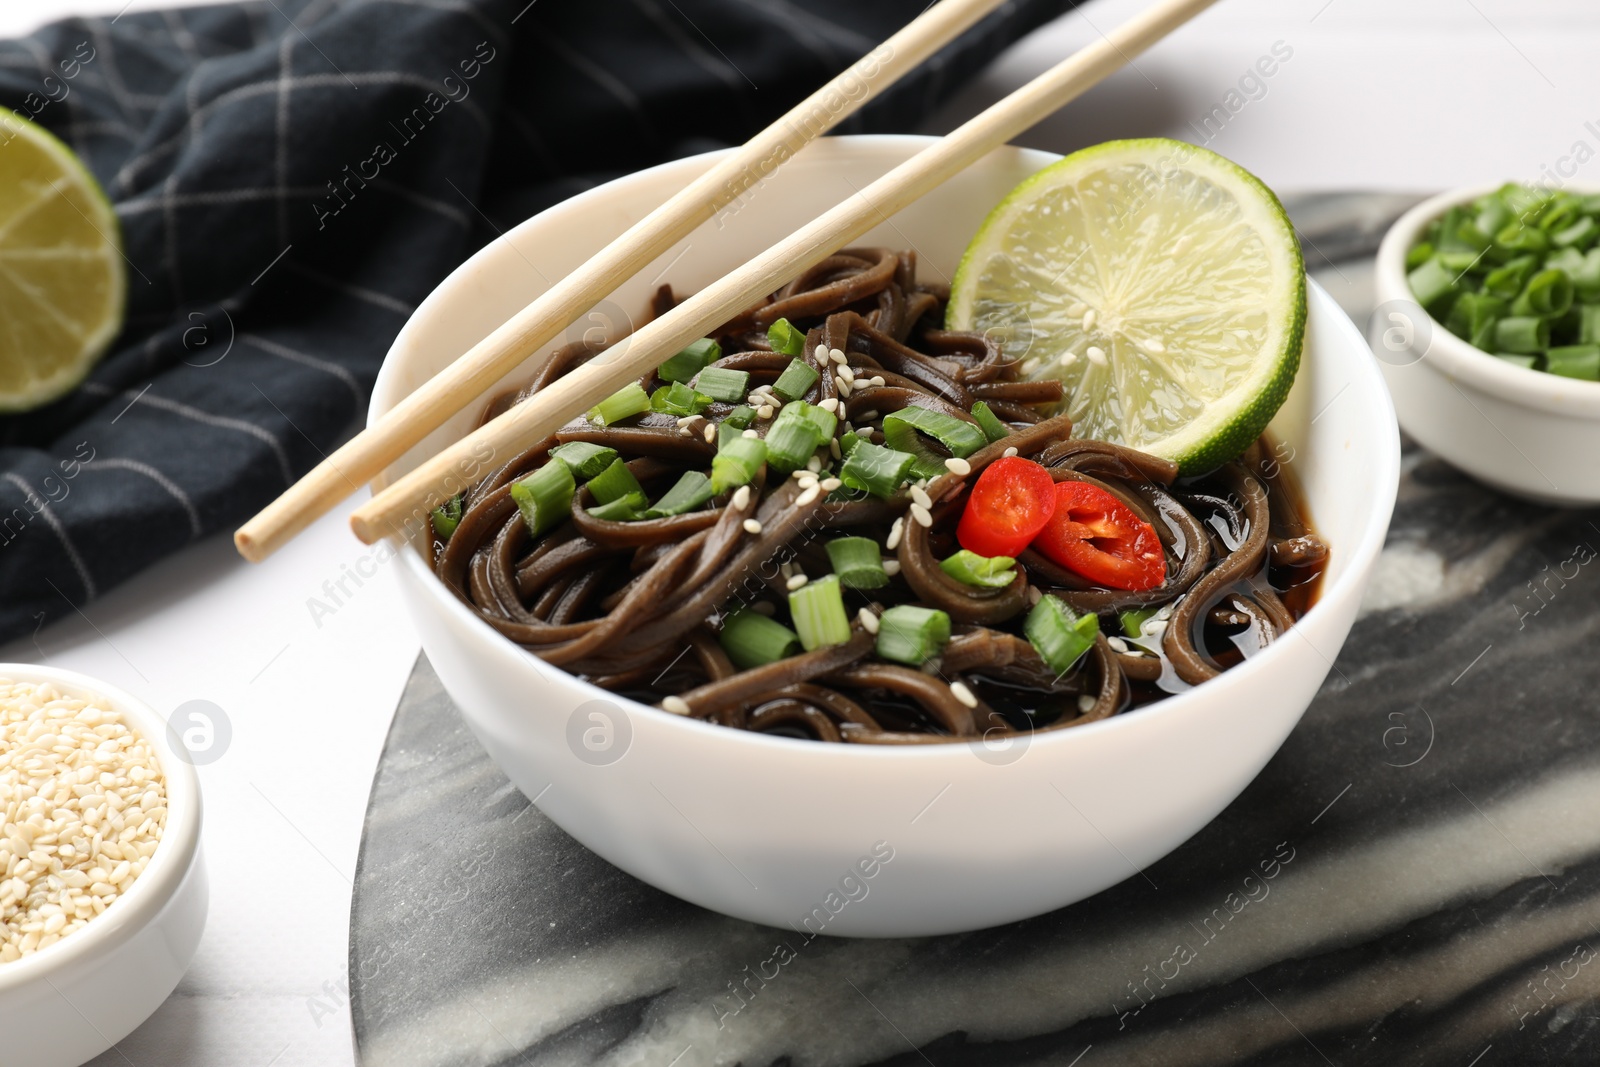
293 176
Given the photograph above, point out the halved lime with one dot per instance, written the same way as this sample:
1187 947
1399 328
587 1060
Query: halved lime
1160 282
61 276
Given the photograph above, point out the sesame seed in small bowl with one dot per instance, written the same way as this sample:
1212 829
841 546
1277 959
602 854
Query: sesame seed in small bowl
102 892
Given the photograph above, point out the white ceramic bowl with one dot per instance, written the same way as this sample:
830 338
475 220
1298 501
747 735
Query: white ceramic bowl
1525 432
74 1000
777 830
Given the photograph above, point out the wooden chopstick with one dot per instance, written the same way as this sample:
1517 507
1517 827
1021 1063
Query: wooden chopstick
359 461
405 504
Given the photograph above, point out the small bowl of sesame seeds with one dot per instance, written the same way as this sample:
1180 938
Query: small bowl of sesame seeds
102 893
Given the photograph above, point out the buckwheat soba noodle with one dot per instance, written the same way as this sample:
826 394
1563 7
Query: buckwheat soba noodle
835 439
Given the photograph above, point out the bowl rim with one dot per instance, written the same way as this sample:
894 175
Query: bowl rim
150 893
1457 358
1364 549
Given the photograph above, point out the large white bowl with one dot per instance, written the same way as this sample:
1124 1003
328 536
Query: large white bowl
74 1000
778 831
1525 432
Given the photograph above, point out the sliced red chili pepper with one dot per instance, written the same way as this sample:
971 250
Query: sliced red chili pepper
1094 534
1010 503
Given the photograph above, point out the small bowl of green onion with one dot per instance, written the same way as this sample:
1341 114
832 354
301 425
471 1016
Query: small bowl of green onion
1488 335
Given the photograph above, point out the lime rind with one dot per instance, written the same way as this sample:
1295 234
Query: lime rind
63 289
1194 278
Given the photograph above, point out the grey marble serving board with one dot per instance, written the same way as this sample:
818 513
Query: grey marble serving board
1414 878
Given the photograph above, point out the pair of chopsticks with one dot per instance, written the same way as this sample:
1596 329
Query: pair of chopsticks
405 504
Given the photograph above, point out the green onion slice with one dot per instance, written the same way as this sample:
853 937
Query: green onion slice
817 610
720 383
902 429
1134 619
585 458
875 469
446 517
796 380
988 572
858 561
545 496
1058 634
989 422
614 483
689 362
786 338
1574 361
690 491
679 399
623 509
911 634
626 402
752 640
790 442
737 460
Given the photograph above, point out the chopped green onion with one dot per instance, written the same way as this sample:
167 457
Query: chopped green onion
848 443
1473 317
912 635
875 469
726 433
623 509
446 517
902 431
585 458
736 462
1589 328
1507 281
786 338
1574 361
741 416
626 402
825 421
817 609
790 442
752 640
1431 282
1058 634
1522 334
1419 255
796 380
720 383
679 399
858 562
1548 294
1519 238
989 422
689 362
545 496
1580 234
691 490
1133 620
989 572
614 483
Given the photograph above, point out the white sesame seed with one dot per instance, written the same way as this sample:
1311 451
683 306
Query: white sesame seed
1034 596
958 466
1097 356
687 419
848 375
892 542
838 356
843 387
1031 365
830 484
1154 346
710 433
683 431
741 498
764 411
1009 452
1165 612
922 516
807 497
675 704
1088 320
960 691
786 569
750 433
830 404
834 449
807 479
1155 627
814 464
752 526
867 416
798 581
799 475
1117 644
920 496
1077 308
869 621
1182 245
1068 358
891 567
1085 704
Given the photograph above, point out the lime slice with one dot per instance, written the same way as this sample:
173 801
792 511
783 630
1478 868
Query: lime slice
1161 283
61 277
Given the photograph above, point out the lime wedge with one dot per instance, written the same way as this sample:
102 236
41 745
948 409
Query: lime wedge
1161 283
61 277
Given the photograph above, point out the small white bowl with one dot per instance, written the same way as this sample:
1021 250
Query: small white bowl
1528 433
68 1003
781 831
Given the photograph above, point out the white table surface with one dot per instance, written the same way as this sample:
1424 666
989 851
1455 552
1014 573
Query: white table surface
1412 95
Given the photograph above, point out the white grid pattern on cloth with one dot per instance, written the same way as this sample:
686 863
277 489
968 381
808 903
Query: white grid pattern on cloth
103 463
194 414
49 517
283 351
